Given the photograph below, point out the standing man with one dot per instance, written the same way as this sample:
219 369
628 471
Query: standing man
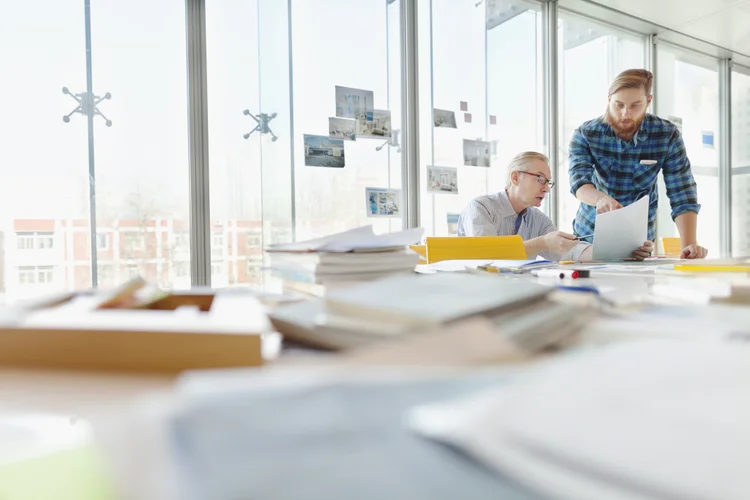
615 160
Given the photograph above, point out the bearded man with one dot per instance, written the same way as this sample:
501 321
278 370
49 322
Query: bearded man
615 160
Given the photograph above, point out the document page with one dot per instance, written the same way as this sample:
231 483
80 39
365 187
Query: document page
618 233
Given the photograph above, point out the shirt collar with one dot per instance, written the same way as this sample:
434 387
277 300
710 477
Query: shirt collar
507 207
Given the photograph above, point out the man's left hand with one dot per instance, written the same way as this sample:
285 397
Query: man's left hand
645 251
693 251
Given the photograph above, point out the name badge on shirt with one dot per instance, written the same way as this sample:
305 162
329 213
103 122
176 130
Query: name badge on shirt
648 162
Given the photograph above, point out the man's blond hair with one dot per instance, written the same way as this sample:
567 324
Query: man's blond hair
633 79
521 163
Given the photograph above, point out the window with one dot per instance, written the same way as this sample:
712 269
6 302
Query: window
253 268
141 82
217 242
591 56
254 239
27 275
45 274
688 88
133 242
474 47
217 269
132 271
25 241
45 241
740 161
102 242
182 241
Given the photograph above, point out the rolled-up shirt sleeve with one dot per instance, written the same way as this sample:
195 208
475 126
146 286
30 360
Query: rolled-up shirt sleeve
580 162
476 220
678 178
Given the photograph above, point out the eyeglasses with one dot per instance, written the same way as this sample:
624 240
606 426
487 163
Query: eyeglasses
541 179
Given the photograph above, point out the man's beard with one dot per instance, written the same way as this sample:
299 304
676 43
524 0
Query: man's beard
623 129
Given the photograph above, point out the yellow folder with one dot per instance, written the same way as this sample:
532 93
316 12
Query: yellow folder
715 268
475 248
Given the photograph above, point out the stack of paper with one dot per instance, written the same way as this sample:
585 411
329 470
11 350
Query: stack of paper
394 308
317 266
641 420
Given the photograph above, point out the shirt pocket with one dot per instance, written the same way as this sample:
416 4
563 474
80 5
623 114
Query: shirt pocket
645 171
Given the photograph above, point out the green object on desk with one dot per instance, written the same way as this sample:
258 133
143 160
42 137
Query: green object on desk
72 474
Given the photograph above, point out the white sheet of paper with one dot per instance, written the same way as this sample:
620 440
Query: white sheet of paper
618 233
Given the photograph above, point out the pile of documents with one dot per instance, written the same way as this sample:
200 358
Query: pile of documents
423 305
316 267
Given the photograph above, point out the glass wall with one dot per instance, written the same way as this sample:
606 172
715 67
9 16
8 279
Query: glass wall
590 56
740 161
134 152
480 71
687 87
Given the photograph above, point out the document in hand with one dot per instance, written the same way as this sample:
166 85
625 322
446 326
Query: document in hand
618 233
647 419
361 239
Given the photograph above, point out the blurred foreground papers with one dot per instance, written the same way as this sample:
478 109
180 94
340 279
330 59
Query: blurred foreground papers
638 420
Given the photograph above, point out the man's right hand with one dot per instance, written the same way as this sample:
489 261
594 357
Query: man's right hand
606 204
559 242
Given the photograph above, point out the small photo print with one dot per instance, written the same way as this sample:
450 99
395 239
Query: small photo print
444 118
477 153
467 117
464 106
342 128
383 202
442 180
355 103
322 151
493 120
379 127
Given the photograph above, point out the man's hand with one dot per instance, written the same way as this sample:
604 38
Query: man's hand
693 251
645 251
560 242
606 204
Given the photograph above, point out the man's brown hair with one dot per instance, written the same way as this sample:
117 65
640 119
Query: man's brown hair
633 79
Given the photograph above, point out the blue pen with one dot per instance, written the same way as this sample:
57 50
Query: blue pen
589 289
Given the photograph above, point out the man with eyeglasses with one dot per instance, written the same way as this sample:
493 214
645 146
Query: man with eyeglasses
515 211
615 160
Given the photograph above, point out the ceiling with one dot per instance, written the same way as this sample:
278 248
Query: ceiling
725 23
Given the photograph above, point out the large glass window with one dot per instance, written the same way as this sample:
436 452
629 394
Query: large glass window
269 183
741 161
480 71
688 93
134 152
591 55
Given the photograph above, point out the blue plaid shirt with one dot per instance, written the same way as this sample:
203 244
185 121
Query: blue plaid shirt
627 171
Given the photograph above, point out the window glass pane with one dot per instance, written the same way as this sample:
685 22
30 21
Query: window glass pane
41 51
329 199
688 90
234 143
467 54
142 159
741 163
591 56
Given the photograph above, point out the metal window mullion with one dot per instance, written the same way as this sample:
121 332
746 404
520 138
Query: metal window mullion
200 226
410 114
725 157
549 57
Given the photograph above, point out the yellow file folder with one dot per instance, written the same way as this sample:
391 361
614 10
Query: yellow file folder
475 248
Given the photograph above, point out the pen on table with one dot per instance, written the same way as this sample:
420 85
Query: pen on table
556 273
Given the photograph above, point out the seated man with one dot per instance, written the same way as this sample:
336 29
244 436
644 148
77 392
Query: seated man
514 211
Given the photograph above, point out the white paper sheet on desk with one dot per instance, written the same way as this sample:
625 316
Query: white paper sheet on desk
618 233
596 426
